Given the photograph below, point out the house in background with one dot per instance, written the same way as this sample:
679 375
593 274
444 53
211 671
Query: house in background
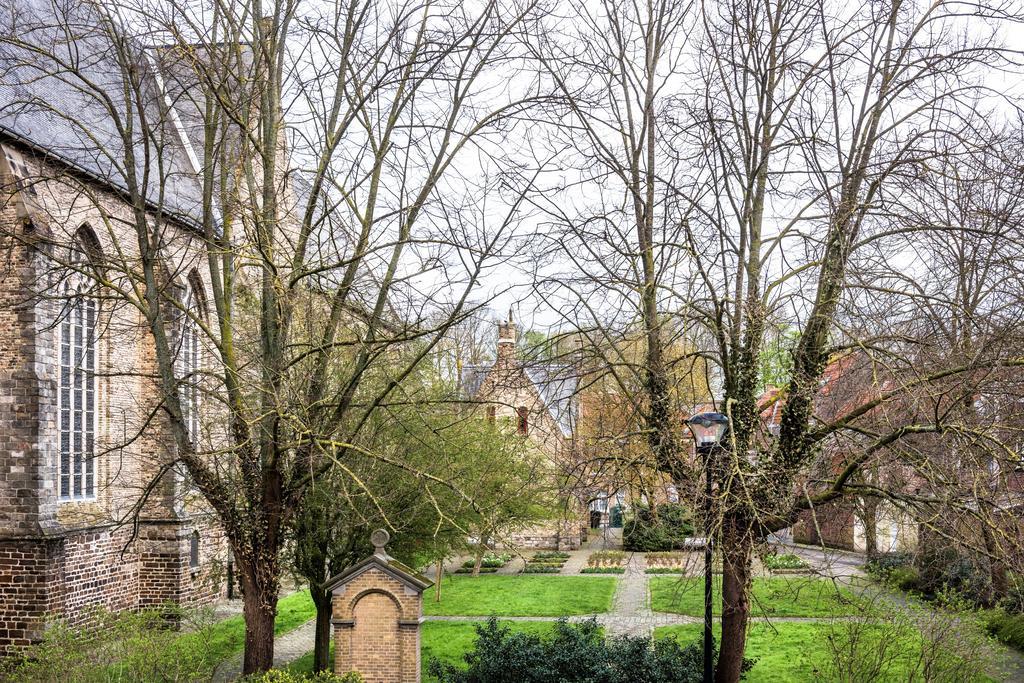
539 402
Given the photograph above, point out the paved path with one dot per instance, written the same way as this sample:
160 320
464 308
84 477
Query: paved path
287 649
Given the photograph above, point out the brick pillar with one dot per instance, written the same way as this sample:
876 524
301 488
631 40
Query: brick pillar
377 608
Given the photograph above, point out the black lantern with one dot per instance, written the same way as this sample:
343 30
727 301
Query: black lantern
708 428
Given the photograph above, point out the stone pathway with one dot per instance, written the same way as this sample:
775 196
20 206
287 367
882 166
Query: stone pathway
287 649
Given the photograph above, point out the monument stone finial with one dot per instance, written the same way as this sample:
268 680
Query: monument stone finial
379 538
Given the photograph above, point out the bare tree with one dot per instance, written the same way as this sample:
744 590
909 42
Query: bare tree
735 167
288 202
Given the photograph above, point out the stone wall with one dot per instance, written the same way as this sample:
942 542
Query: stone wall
829 525
61 557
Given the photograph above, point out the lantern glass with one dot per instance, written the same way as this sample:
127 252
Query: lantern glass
708 428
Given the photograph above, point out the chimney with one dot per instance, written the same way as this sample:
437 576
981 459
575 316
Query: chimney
507 339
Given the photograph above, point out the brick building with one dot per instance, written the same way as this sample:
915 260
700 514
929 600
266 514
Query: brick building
93 511
538 401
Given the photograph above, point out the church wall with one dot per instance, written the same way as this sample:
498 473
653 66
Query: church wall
60 557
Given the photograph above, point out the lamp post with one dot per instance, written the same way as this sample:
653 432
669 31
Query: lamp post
708 430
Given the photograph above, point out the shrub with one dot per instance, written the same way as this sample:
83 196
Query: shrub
286 676
663 570
882 564
542 569
603 570
947 569
913 642
664 528
573 653
1007 628
905 578
785 561
126 646
1013 601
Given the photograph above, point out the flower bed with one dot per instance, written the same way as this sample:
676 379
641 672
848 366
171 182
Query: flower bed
605 562
490 563
546 562
787 563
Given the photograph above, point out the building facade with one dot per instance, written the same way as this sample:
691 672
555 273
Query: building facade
94 513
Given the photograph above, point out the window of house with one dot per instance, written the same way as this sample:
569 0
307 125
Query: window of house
492 413
188 362
522 415
193 550
76 395
20 171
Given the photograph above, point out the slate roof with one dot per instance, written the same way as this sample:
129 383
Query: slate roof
76 114
556 385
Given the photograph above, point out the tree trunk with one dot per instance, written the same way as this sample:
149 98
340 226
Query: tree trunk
871 527
478 560
1000 581
259 609
736 556
322 639
437 581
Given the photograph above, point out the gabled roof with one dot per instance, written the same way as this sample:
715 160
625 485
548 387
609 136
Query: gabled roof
555 384
62 112
389 565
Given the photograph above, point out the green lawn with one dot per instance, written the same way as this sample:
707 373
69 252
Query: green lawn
776 597
225 638
521 596
787 652
782 654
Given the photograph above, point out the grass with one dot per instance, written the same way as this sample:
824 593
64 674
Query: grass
781 653
788 652
227 637
776 596
521 596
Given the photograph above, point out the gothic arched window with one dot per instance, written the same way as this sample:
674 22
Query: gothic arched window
188 362
76 394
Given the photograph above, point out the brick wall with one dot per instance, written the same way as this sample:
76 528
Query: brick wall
376 619
58 557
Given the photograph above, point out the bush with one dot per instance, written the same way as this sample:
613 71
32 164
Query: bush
574 653
664 528
118 646
905 578
542 569
603 570
1007 628
911 643
945 569
881 565
285 676
1013 601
